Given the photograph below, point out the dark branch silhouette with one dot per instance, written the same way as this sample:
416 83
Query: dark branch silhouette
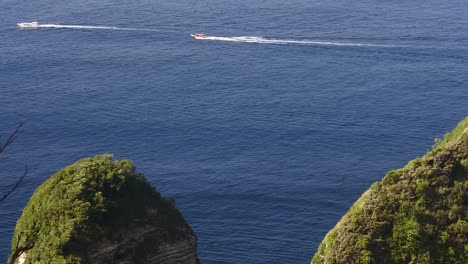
10 139
18 250
3 146
17 184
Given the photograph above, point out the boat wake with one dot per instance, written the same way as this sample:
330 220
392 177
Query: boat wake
261 40
94 27
77 27
37 25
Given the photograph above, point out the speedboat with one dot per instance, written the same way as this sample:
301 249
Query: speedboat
28 24
198 36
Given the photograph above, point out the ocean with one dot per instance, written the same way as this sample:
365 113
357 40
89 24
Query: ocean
264 134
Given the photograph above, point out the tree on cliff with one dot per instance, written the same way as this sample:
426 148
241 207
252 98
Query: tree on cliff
98 210
3 146
417 214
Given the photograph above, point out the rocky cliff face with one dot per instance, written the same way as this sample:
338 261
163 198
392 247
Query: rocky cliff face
100 211
417 214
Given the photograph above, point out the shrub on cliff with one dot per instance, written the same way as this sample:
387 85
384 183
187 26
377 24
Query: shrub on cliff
87 202
417 214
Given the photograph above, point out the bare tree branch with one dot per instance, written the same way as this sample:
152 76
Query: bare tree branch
17 183
10 139
18 250
3 146
16 253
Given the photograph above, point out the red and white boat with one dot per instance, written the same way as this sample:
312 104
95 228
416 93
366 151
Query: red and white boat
198 36
27 24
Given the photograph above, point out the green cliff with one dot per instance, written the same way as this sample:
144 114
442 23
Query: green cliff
100 211
416 214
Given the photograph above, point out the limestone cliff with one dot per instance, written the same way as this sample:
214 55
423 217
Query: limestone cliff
100 211
417 214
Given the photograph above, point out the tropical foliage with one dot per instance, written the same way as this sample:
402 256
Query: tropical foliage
417 214
84 203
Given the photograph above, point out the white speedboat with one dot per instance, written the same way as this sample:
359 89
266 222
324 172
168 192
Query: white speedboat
198 36
28 24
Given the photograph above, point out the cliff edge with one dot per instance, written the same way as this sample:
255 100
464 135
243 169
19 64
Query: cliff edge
416 214
100 211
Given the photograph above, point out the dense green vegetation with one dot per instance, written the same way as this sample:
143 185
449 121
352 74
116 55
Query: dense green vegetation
417 214
84 203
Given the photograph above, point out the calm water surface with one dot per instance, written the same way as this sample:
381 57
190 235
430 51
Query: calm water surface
264 146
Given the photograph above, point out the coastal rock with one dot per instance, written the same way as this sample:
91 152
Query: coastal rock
416 214
100 211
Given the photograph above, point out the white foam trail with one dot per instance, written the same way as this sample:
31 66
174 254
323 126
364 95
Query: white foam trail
92 27
246 39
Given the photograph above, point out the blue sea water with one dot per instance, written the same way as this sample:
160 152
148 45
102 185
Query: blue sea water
264 146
